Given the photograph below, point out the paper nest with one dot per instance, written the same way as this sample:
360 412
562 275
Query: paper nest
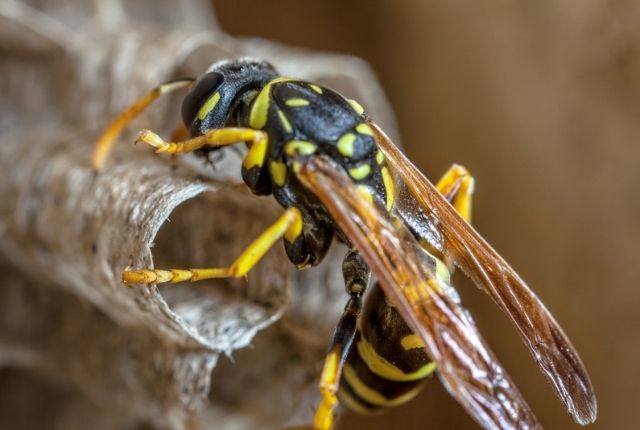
75 343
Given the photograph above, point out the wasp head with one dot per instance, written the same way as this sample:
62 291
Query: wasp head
214 98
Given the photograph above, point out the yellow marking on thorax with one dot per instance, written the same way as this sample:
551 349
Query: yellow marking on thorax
297 102
379 157
389 187
364 129
345 144
301 147
357 107
260 108
411 341
370 395
383 368
316 88
208 106
278 172
285 122
360 172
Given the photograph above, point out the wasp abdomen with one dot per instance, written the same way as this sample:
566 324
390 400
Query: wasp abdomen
387 362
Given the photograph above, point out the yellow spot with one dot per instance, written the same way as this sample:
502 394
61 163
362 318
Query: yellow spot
356 106
345 144
379 157
370 395
316 88
256 155
364 129
301 147
297 102
278 172
389 187
411 341
294 231
208 106
383 368
366 192
260 108
360 172
284 121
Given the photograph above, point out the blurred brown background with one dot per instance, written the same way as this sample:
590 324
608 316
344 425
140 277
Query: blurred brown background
541 101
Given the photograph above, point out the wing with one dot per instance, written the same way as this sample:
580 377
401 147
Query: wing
549 345
466 366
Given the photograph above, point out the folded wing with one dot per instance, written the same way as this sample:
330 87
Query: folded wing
466 366
550 346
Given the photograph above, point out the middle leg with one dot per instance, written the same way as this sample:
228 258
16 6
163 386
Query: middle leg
288 226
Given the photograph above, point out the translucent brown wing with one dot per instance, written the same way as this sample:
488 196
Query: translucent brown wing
466 366
550 347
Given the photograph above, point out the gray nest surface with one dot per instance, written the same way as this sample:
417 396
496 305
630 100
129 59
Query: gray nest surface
75 343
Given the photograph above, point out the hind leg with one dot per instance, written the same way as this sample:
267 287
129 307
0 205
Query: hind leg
356 276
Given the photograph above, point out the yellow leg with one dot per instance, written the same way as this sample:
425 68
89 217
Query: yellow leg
456 185
329 382
334 362
110 134
213 138
289 226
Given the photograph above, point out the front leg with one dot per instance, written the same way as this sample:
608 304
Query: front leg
215 138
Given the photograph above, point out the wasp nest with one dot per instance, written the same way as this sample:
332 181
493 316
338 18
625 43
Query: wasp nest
77 345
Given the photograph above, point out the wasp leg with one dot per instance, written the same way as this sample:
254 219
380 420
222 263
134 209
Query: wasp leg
288 226
213 138
457 185
356 275
109 135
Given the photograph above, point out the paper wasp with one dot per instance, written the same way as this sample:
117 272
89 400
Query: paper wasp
337 174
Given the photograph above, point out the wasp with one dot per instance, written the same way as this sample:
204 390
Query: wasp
338 176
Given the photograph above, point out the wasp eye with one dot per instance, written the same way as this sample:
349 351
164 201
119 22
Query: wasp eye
198 95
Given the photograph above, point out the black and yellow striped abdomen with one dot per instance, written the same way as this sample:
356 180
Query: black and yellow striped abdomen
387 362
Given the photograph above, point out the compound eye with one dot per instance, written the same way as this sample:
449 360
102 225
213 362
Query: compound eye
199 94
